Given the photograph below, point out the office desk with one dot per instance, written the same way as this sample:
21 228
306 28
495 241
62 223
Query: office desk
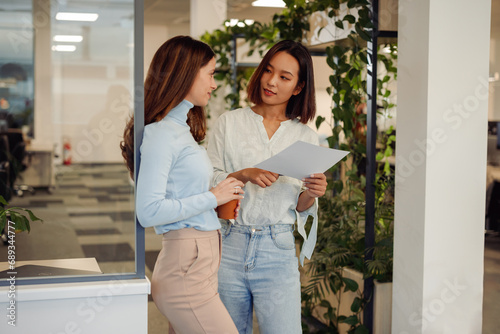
39 170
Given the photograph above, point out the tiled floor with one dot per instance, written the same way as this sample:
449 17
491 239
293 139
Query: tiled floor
90 214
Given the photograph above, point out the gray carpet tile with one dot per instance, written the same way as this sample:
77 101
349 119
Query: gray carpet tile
97 231
115 216
109 252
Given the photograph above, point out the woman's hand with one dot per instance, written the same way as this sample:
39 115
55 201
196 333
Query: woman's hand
228 190
315 187
260 177
237 210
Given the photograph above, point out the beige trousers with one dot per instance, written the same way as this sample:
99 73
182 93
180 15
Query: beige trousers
184 283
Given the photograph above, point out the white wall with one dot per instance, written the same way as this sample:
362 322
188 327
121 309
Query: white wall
324 101
440 166
154 37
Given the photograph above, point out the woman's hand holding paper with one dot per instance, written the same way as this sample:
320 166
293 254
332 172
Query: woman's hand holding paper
315 185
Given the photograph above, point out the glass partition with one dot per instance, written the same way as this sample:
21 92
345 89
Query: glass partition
77 93
16 69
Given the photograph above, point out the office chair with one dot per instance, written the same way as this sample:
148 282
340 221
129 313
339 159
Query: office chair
5 186
17 148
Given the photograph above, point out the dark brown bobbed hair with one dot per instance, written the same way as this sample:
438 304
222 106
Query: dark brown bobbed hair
302 105
171 75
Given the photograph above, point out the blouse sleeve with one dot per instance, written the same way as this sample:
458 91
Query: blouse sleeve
152 207
216 149
309 240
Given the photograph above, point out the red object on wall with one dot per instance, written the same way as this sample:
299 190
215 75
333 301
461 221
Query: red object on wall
67 153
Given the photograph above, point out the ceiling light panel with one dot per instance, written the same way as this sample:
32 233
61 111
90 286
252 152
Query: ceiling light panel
85 17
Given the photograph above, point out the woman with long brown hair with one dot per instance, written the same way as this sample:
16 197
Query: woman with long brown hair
173 187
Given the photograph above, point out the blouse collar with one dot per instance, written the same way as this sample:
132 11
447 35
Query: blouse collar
261 119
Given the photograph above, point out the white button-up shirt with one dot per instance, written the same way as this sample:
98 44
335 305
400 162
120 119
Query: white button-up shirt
239 140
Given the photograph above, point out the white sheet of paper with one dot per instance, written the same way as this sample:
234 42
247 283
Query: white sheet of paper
302 159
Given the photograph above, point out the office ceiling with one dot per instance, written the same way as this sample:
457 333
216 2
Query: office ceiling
156 12
175 12
172 12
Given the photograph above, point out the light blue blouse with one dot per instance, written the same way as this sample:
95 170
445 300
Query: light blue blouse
174 177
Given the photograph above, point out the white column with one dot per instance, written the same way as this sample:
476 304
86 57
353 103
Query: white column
43 73
440 166
207 15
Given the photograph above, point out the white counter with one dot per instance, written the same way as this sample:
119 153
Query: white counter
113 306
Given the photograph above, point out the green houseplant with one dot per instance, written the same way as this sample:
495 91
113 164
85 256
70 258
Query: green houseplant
16 216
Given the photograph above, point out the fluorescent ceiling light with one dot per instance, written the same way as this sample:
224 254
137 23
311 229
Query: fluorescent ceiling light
68 38
387 49
88 17
64 48
231 23
269 3
234 22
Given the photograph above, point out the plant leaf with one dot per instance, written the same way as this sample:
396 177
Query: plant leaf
356 304
361 329
3 201
350 18
319 120
19 223
3 222
351 3
32 216
26 223
352 320
362 33
350 285
325 303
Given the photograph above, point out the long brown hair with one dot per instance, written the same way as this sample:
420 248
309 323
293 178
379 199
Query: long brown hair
302 105
171 75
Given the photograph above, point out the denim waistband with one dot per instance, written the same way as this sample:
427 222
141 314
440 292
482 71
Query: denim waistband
256 229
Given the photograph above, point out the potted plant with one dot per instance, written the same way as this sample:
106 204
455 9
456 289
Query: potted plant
13 220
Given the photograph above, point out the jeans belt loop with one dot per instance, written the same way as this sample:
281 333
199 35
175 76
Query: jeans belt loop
273 232
228 229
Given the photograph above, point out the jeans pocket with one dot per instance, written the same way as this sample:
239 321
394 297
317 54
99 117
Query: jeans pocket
284 240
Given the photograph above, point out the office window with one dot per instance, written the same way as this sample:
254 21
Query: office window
79 90
16 68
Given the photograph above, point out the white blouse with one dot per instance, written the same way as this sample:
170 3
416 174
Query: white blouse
239 140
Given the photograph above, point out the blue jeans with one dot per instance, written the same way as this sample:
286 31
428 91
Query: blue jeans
259 270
